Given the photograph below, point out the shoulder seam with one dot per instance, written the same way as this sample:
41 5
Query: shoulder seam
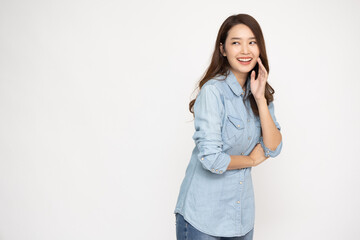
215 84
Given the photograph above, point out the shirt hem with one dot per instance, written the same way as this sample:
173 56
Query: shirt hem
207 232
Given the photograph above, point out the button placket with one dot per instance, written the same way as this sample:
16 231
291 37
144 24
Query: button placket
240 193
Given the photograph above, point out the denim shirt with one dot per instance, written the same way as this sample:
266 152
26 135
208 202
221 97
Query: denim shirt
215 200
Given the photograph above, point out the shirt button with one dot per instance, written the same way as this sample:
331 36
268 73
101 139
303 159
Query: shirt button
248 120
216 170
242 153
220 171
202 158
268 151
238 125
212 169
240 182
267 155
238 201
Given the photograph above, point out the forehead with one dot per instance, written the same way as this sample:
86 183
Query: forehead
240 31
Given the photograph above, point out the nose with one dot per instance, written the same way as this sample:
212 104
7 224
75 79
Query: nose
244 49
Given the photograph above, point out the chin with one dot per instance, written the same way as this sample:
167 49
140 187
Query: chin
244 70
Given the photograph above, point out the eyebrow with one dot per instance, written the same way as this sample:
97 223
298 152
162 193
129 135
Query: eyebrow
241 38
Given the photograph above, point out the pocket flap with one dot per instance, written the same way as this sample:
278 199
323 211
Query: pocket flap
238 123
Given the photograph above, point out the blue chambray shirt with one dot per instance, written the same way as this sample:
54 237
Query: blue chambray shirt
214 200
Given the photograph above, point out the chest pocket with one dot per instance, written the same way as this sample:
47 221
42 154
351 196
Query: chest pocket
234 129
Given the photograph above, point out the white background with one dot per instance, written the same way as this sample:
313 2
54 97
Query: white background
95 132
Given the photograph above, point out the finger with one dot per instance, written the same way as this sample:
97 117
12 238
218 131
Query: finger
261 70
262 67
260 63
252 76
262 76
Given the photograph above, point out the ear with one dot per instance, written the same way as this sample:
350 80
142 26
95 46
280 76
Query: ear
222 50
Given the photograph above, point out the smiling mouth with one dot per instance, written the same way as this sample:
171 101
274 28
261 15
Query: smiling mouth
244 59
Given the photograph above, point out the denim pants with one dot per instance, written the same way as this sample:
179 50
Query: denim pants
185 231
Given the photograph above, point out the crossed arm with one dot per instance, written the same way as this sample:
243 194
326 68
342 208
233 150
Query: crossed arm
256 157
271 142
209 111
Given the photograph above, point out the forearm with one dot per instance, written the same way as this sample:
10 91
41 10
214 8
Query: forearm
240 161
271 135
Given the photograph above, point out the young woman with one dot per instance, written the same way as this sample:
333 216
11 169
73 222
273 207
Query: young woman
235 130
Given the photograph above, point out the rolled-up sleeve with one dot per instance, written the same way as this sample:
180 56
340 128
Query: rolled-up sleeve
208 110
267 151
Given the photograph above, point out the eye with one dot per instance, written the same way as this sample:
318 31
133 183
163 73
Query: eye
253 42
234 42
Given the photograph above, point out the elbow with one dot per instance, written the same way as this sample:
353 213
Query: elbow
276 151
271 152
274 147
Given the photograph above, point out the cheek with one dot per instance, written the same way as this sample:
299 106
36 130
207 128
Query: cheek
232 50
233 61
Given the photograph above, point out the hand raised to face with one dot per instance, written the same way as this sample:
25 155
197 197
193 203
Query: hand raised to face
258 85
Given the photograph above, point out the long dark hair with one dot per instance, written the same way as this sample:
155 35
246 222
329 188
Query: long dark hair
219 64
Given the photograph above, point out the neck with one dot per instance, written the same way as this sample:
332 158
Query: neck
241 78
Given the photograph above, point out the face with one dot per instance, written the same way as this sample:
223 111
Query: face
241 45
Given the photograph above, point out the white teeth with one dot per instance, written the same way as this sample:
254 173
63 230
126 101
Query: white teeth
244 60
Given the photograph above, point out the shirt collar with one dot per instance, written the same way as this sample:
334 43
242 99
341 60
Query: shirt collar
235 85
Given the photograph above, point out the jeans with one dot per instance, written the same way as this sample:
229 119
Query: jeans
185 231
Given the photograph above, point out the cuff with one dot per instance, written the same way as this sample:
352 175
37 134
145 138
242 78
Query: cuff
267 151
215 163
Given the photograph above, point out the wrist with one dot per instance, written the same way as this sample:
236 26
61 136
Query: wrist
252 161
260 101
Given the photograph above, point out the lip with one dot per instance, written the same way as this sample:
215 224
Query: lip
244 63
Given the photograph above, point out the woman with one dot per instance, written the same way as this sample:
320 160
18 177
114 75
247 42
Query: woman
235 130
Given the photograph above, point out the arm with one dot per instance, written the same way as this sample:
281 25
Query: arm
209 110
256 157
271 139
240 161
